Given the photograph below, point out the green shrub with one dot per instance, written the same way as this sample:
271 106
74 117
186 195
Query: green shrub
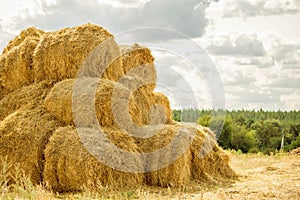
254 150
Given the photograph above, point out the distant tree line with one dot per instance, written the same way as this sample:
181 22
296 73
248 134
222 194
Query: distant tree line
248 131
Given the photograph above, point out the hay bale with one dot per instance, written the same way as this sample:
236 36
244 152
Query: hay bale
31 32
20 98
145 106
149 108
134 58
23 138
209 161
163 101
295 151
16 65
60 54
59 103
69 166
203 160
141 101
172 164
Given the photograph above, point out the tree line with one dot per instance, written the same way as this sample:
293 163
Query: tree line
248 130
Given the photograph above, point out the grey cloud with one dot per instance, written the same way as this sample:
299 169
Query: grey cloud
285 54
261 62
256 95
249 8
267 98
287 83
288 55
171 82
127 3
239 79
4 37
179 15
243 45
246 91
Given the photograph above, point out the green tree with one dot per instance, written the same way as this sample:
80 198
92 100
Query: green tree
222 128
268 134
242 138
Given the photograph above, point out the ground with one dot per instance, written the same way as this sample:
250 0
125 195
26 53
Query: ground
260 177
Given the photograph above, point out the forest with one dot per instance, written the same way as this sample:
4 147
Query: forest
249 131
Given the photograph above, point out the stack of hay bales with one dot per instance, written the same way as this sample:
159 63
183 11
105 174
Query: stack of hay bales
37 113
17 61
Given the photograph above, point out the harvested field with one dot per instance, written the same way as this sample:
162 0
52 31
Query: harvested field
261 177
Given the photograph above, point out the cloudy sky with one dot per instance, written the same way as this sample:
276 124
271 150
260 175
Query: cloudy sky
249 48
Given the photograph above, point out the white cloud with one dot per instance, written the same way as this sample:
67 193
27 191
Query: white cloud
4 37
291 101
287 54
124 3
116 15
261 62
253 80
252 8
256 71
237 45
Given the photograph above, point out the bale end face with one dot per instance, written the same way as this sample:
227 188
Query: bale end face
70 166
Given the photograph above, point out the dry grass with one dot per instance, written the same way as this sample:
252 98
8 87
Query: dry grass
261 177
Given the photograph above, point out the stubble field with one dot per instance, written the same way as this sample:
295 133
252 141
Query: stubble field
260 177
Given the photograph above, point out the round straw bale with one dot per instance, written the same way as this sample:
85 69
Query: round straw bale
135 108
141 101
134 58
171 161
69 166
31 32
23 138
16 65
162 100
60 54
59 102
149 108
20 98
209 161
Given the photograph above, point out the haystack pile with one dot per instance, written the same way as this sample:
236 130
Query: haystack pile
295 151
38 73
